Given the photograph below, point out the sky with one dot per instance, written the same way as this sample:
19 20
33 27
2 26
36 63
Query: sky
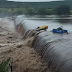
33 0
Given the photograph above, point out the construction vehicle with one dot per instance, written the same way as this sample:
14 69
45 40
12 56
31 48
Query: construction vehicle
42 28
60 30
35 32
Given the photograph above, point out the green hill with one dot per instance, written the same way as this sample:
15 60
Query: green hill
53 4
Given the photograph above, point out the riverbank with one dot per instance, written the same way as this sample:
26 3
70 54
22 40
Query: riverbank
24 58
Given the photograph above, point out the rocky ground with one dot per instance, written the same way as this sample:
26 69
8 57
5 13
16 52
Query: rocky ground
24 58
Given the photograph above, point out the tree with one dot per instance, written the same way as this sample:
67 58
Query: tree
18 12
63 10
42 11
31 11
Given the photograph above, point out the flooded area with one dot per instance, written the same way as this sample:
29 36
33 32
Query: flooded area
53 21
54 49
24 58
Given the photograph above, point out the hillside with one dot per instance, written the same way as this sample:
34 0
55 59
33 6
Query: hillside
52 4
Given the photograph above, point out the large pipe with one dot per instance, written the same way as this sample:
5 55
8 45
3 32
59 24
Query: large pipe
56 49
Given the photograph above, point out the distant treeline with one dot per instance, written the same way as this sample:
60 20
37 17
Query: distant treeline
61 10
35 8
53 4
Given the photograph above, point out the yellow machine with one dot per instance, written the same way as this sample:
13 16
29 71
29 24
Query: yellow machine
43 27
36 31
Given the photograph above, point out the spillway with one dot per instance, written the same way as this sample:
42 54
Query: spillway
55 49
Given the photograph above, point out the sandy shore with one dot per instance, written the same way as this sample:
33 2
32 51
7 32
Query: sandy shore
24 58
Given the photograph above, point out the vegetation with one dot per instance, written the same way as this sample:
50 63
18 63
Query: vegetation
4 66
35 8
63 10
53 4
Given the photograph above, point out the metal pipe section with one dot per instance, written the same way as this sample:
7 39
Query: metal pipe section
56 49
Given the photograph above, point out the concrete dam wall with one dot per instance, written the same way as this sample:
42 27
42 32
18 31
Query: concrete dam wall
55 49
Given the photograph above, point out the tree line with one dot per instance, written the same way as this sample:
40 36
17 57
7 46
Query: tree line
53 4
61 10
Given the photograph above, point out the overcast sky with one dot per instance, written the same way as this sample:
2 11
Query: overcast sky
34 0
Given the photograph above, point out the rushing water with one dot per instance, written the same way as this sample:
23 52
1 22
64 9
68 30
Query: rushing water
52 21
56 49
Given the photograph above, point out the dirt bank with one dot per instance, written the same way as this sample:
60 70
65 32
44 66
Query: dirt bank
25 59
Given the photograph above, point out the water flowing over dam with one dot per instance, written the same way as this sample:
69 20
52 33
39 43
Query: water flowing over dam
55 49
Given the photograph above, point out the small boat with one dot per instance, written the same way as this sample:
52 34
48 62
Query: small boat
59 30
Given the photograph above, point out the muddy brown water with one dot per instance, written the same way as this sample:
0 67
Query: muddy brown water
54 48
24 58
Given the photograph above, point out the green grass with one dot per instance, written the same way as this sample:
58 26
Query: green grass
4 66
